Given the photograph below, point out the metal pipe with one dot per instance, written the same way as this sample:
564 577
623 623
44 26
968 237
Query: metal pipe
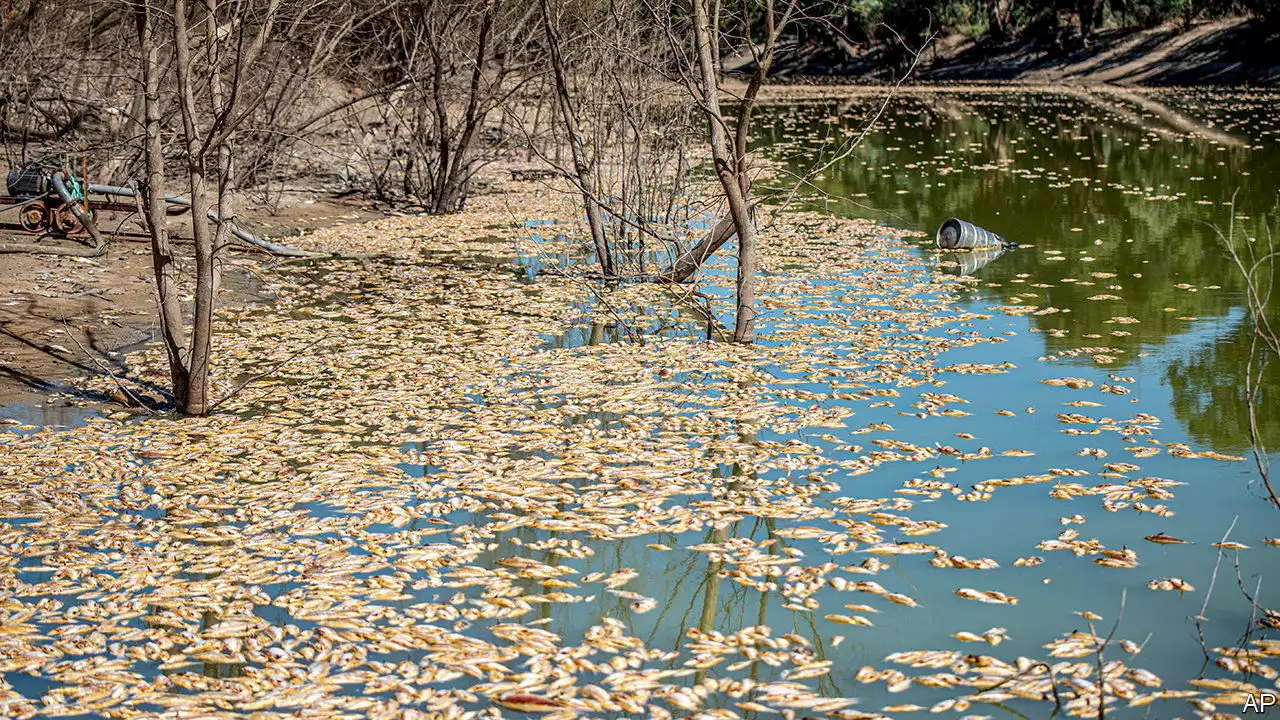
78 211
231 224
130 192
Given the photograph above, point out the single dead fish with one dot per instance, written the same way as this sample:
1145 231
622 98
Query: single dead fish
529 703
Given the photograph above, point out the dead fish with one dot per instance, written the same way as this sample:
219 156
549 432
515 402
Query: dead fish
1164 539
529 703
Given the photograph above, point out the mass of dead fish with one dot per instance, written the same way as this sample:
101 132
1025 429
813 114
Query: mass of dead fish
438 506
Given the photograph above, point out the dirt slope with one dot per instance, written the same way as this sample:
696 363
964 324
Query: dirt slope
1230 51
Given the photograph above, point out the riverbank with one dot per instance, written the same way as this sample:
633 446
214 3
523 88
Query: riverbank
69 325
1231 51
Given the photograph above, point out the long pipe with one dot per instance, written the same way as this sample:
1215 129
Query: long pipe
231 225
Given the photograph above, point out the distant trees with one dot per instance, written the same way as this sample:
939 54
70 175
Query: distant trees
566 107
882 21
447 66
1267 11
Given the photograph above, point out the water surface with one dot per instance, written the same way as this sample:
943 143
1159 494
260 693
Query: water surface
452 437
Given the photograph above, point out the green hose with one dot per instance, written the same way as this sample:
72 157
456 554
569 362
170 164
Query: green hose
74 187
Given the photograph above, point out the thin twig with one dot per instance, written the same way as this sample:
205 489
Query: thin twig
120 385
1102 684
848 147
1209 594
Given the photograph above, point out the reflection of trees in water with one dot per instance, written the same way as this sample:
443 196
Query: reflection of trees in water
1032 168
719 603
1209 396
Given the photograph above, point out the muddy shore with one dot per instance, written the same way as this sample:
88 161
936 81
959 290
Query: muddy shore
62 317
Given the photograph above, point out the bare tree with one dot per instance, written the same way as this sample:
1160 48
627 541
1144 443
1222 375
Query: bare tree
224 55
164 262
693 38
584 174
453 62
626 128
728 144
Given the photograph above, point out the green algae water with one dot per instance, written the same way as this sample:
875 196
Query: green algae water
929 488
1121 209
1122 198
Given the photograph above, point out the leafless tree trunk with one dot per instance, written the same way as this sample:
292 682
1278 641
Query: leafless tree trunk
164 261
688 262
209 89
999 17
729 153
196 398
1089 12
585 176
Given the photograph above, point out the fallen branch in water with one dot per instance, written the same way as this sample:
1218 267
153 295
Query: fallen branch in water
1257 299
1209 593
119 385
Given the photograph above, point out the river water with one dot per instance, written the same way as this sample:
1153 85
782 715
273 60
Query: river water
1120 207
467 469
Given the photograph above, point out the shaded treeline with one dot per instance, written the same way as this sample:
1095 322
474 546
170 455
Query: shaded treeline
893 24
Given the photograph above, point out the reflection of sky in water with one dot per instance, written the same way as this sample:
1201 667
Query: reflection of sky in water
1005 528
46 414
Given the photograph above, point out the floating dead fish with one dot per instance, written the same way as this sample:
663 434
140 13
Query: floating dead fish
529 703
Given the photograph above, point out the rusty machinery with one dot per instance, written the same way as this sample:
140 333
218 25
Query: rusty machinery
54 202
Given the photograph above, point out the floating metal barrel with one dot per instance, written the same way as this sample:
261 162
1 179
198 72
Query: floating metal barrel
957 234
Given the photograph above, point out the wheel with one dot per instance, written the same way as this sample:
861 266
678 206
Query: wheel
65 222
34 217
